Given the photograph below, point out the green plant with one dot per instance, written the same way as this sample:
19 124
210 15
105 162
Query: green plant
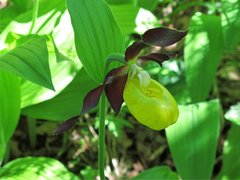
115 80
42 78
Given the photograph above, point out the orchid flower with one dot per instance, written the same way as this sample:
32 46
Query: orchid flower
147 100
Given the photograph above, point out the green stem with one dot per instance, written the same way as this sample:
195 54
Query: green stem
32 132
101 142
35 14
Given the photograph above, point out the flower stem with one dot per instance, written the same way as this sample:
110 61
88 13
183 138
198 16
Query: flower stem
101 142
35 14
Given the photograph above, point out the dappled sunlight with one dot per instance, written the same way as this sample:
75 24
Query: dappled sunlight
87 88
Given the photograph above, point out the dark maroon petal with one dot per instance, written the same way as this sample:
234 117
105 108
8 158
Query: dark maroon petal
162 36
114 85
136 37
159 58
134 49
115 73
66 125
114 92
92 98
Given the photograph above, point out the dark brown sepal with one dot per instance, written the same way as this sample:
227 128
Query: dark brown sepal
115 73
159 58
162 36
66 125
92 98
114 86
114 92
134 49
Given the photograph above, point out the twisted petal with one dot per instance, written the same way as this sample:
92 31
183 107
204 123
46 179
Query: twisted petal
162 36
134 49
151 105
157 57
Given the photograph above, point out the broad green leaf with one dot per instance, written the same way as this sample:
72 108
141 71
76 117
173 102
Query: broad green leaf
63 70
158 172
36 168
62 74
22 5
30 61
64 37
117 1
149 4
202 54
231 161
233 114
193 139
7 14
125 16
231 23
66 104
96 34
9 108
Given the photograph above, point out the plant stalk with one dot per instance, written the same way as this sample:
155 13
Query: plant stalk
35 14
101 142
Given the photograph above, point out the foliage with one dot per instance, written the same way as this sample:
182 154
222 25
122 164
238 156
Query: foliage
161 172
9 108
43 84
199 124
202 54
107 37
230 152
35 168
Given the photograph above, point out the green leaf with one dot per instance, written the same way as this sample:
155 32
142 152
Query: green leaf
202 54
193 139
125 16
158 172
233 114
29 61
231 23
89 173
149 4
64 37
36 168
117 2
63 70
22 5
9 108
62 74
96 34
7 14
66 104
231 149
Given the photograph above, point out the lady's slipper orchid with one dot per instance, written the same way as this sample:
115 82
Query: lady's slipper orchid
149 102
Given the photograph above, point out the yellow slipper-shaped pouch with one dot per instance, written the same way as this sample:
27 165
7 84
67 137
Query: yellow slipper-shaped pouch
150 103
